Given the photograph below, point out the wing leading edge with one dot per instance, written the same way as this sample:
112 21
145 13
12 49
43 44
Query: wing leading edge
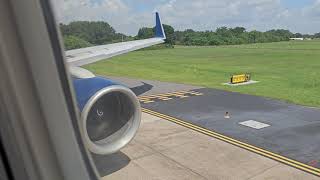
83 56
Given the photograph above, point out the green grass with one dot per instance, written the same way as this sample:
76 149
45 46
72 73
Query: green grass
287 70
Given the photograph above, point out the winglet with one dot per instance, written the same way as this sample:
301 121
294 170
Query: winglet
159 27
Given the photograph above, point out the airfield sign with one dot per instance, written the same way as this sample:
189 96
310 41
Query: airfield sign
240 78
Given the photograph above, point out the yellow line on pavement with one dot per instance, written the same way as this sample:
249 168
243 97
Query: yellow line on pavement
181 95
177 94
144 98
193 93
243 145
146 102
165 94
157 96
152 95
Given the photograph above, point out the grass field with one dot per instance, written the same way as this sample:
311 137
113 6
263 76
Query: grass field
286 70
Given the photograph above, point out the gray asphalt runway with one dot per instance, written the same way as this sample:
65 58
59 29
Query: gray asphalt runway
294 131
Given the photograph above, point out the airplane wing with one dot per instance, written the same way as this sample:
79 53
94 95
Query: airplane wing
83 56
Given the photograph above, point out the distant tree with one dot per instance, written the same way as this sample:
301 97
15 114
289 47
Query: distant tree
253 36
86 33
189 31
73 42
297 35
146 32
215 41
307 36
316 35
282 33
179 36
94 32
170 37
223 32
238 30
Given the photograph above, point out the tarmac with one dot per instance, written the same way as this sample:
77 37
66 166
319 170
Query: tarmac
163 150
189 137
292 132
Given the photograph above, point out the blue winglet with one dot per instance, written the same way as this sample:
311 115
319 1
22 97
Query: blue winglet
159 27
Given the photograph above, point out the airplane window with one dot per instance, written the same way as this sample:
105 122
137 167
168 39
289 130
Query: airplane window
196 89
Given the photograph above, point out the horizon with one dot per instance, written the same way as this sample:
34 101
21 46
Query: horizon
213 30
128 17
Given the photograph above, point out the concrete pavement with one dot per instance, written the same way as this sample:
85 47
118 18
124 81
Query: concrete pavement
164 150
292 132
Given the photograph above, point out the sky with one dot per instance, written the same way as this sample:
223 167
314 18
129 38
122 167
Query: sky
127 16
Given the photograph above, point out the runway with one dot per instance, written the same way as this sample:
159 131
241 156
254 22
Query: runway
292 131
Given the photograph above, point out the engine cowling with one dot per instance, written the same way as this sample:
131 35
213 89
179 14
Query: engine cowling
110 114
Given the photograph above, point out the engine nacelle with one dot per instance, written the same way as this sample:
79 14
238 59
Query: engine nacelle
110 114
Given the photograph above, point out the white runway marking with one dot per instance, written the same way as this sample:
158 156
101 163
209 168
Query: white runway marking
254 124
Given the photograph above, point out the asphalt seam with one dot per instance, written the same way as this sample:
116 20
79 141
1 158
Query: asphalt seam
157 178
187 168
257 150
160 152
263 171
144 155
165 149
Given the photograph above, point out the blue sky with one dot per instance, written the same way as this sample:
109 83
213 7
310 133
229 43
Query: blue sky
127 16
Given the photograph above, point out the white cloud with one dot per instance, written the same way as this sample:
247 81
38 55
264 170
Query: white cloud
114 12
210 14
195 14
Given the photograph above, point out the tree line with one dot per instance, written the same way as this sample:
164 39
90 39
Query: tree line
81 34
230 36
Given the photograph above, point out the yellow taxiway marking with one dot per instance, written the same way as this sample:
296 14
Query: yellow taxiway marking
162 97
193 93
178 94
146 102
168 96
277 157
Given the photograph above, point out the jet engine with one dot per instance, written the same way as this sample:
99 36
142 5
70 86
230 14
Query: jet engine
110 114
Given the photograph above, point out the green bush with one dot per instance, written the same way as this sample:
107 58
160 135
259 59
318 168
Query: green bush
73 42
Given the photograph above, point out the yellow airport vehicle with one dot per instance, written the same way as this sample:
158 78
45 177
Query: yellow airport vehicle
240 78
